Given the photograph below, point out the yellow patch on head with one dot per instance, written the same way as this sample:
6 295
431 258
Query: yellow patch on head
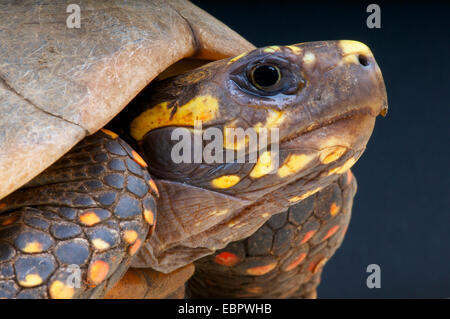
296 50
309 58
305 195
294 163
348 59
237 57
225 181
59 290
32 247
31 280
350 46
274 120
233 140
331 154
264 165
201 108
343 168
272 49
351 49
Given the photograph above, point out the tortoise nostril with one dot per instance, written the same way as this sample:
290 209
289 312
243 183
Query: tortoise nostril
363 60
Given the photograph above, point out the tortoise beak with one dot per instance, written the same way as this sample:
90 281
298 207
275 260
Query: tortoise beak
359 53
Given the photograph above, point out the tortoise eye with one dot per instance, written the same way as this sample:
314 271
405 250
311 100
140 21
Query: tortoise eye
265 76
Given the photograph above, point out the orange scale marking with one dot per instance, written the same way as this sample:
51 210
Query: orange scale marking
9 220
138 159
153 186
334 209
308 236
226 259
89 218
98 271
349 176
130 236
135 247
314 267
110 133
331 232
296 262
261 270
149 217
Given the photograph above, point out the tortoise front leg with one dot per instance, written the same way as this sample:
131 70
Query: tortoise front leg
285 257
146 283
71 232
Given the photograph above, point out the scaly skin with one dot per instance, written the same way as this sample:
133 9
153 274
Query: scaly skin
284 258
92 209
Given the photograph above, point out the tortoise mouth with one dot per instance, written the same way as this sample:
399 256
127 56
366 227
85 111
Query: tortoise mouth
347 116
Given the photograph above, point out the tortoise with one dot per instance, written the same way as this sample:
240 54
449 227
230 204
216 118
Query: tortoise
79 206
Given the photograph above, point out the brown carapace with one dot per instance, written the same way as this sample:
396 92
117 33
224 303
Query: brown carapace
253 229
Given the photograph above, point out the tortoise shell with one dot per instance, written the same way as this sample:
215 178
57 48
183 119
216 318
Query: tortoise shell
60 84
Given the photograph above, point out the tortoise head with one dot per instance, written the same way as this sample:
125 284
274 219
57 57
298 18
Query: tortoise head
299 112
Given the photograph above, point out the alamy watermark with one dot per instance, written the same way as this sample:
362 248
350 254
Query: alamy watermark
74 276
374 279
235 146
374 19
74 19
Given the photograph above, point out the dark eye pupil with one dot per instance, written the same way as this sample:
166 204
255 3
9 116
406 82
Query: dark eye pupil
266 75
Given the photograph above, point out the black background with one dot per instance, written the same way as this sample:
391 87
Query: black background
401 214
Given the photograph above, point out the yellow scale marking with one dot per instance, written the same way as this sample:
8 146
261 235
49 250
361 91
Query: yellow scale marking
331 154
202 108
130 236
274 120
264 165
294 163
309 58
32 247
350 49
225 181
31 280
294 49
305 195
100 244
59 290
343 168
237 57
272 49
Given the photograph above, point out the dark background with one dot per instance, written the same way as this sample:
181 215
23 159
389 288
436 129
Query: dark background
401 214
